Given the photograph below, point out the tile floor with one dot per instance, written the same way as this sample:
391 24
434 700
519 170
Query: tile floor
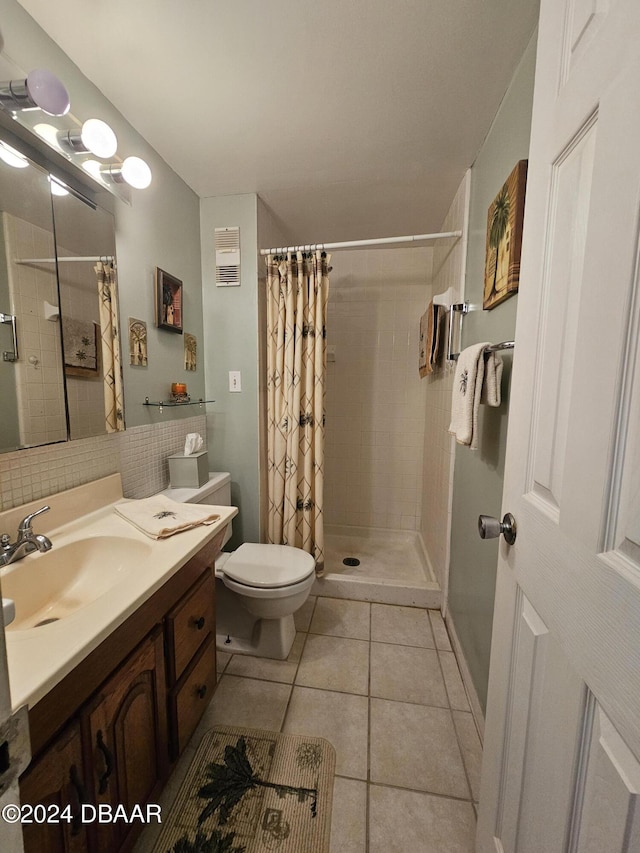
382 684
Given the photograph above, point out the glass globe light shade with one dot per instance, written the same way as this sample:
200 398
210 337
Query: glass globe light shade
136 173
98 138
47 92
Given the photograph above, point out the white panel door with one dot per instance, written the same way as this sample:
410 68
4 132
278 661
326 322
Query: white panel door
562 745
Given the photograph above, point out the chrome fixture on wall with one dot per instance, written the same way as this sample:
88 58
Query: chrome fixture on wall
39 90
94 136
27 97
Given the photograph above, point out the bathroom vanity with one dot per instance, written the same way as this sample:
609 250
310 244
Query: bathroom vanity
116 714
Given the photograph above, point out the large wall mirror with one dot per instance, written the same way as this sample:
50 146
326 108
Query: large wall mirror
53 366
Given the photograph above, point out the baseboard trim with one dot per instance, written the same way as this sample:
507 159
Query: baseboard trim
474 702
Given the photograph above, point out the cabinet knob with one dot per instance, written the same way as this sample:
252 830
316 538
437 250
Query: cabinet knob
202 691
199 623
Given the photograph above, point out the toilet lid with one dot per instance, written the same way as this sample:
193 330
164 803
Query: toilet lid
269 565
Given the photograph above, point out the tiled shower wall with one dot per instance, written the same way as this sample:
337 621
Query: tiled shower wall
439 448
38 374
139 453
375 401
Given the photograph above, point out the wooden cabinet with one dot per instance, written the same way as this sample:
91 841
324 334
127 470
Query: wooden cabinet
57 779
191 660
126 728
189 624
109 732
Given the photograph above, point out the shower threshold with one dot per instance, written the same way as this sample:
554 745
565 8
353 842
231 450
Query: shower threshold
383 566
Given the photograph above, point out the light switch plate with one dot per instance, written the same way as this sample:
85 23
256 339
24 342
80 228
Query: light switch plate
235 380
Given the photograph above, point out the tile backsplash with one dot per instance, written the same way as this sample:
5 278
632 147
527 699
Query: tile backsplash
139 454
144 451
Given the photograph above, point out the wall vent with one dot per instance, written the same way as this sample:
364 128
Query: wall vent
227 245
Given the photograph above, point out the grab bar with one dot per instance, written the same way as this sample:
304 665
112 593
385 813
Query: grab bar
7 355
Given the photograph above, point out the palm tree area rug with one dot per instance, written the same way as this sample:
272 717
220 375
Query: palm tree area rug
253 791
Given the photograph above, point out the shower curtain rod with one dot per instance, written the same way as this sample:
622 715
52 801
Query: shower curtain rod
352 244
90 259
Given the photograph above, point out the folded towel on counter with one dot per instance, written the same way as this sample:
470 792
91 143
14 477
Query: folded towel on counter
477 380
160 517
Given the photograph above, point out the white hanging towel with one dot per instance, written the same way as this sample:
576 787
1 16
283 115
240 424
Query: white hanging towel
160 517
477 380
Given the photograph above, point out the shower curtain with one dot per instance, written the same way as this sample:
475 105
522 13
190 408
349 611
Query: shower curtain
297 295
111 368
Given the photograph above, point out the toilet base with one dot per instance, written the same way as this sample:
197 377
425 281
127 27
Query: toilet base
250 635
270 638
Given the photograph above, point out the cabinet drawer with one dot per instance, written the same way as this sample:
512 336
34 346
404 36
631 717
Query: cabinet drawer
189 624
189 700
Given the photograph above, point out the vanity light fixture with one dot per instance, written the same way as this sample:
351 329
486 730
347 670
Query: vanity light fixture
133 171
95 136
39 90
12 157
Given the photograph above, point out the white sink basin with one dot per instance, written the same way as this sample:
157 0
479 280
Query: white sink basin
48 587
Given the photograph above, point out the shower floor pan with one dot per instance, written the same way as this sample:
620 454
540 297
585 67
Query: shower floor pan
392 567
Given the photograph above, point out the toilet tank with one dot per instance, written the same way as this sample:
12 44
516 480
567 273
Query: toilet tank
216 491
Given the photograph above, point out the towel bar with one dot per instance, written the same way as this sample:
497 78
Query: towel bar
496 347
462 308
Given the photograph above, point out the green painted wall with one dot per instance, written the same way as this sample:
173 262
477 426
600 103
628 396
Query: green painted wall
231 343
478 474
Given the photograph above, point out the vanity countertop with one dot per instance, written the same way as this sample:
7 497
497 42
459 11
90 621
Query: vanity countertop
39 658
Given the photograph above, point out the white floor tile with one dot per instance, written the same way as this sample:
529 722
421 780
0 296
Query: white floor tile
407 674
349 816
415 746
340 718
409 626
245 702
335 663
402 821
340 618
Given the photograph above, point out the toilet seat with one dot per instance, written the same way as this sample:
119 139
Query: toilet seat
269 566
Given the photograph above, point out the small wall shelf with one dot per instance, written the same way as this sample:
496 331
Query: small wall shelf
160 404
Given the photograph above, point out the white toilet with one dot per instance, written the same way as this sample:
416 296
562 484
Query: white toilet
258 587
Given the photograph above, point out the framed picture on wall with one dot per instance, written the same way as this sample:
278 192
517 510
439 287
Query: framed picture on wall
505 219
81 345
137 342
168 301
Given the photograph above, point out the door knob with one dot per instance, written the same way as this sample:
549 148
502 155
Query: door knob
490 528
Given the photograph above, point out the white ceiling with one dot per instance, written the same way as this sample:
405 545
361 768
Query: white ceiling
350 118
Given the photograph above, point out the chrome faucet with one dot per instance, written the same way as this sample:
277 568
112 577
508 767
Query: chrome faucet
26 542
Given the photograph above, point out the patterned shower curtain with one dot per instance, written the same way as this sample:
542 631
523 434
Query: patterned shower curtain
109 330
297 294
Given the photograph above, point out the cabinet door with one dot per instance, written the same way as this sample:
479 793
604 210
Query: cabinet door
56 780
126 725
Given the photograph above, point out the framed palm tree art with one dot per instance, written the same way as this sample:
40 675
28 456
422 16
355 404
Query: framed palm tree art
505 219
80 342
